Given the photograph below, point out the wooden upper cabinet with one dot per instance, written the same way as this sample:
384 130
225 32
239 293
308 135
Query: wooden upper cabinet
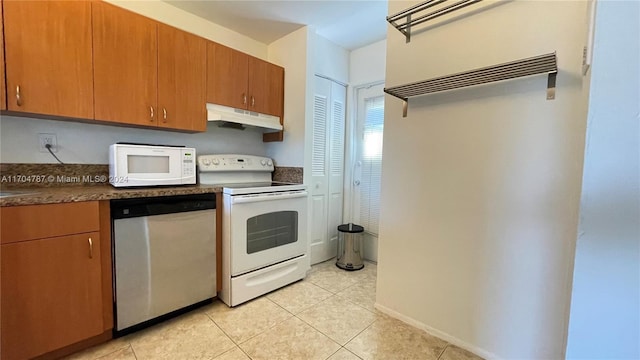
125 47
48 57
241 81
3 84
227 76
266 86
182 80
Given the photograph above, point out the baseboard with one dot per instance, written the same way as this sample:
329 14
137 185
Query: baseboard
84 344
435 332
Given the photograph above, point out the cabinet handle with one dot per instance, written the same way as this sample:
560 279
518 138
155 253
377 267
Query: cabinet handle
90 248
164 114
18 97
244 99
253 101
152 113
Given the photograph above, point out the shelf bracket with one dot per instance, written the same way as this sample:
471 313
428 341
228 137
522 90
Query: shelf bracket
405 107
407 31
551 85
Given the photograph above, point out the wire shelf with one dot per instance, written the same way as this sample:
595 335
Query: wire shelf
541 64
405 20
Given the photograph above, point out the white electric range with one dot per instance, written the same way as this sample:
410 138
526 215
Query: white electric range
264 226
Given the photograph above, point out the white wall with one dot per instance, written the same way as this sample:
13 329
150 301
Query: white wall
171 15
293 52
367 64
331 60
481 186
80 143
303 54
605 307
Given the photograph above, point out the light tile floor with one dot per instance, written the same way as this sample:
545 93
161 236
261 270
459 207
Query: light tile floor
328 315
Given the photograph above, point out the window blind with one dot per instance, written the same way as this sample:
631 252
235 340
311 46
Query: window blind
371 164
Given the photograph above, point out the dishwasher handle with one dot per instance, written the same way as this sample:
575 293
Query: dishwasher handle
242 199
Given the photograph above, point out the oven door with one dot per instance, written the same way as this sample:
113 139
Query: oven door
266 229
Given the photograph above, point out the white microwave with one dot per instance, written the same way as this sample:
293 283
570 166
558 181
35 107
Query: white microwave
151 165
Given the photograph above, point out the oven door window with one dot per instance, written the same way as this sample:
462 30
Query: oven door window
268 231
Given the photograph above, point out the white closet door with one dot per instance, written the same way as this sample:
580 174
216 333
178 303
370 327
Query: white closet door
336 165
327 168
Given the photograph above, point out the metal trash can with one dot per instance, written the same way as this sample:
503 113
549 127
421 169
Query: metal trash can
350 247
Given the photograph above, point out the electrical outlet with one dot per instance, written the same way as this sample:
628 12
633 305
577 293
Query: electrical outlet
44 139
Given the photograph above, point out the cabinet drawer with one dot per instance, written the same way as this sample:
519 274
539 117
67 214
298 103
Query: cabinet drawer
20 223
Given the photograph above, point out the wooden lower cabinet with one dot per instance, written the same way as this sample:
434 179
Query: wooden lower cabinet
56 293
51 294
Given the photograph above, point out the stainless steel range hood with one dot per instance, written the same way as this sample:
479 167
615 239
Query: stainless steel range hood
239 118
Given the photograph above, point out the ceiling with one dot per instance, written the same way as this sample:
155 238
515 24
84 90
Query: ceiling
348 23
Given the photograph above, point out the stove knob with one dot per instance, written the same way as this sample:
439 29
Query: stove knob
270 163
206 162
263 162
215 161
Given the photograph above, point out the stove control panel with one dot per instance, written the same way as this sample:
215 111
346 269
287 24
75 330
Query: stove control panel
233 162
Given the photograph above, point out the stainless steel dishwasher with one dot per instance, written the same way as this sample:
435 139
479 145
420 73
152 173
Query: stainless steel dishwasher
164 257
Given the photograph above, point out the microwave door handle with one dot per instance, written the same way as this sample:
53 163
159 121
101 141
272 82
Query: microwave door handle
242 199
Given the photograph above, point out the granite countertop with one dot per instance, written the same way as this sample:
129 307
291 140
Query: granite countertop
65 194
61 183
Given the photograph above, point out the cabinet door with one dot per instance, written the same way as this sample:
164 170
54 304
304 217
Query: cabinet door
266 87
3 84
49 58
227 76
51 294
182 79
125 48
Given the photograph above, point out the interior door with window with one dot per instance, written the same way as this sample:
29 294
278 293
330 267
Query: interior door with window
327 168
365 207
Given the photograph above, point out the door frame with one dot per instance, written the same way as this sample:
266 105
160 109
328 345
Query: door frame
351 150
351 147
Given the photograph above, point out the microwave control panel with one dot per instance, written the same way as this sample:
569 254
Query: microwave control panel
188 162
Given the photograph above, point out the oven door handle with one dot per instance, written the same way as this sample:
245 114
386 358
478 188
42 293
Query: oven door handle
241 199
